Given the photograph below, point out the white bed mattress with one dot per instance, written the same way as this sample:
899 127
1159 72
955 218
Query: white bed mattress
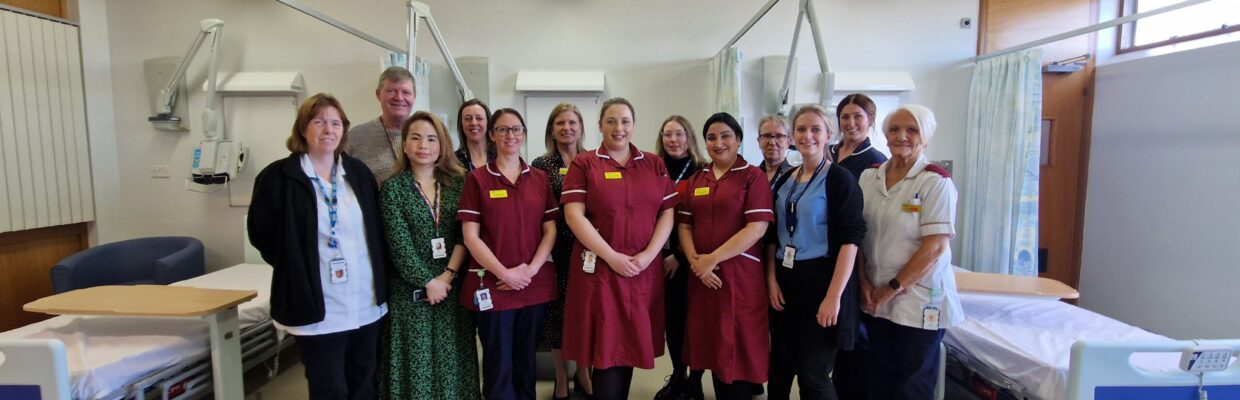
1030 340
107 353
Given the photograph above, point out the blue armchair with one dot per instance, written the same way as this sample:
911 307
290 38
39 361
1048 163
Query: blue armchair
154 260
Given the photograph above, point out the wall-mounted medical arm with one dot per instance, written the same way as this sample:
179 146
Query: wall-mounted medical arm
805 11
416 10
421 10
826 86
168 96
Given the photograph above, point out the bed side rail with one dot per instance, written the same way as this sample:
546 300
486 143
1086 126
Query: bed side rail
1102 370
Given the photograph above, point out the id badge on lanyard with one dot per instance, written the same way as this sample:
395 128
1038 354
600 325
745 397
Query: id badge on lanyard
790 211
482 296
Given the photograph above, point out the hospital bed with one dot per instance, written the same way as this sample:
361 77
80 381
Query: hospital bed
141 358
1021 347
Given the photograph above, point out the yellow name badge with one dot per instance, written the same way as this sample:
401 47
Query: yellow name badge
702 191
611 175
911 208
499 194
563 171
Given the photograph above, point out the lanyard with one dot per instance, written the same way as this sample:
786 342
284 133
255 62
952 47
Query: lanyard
331 204
682 173
790 203
433 208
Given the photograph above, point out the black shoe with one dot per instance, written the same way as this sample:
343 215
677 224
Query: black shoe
672 389
691 389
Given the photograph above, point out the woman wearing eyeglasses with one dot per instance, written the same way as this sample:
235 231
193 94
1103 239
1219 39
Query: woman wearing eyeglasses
812 287
618 201
507 216
314 216
773 139
725 211
563 142
678 148
854 151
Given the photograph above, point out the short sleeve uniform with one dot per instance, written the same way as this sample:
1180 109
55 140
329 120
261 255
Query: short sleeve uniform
611 320
864 156
727 329
510 215
921 204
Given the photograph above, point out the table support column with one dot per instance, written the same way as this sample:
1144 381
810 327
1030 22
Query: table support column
226 355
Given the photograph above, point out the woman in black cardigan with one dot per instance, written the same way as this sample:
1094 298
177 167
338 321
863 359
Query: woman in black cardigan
314 216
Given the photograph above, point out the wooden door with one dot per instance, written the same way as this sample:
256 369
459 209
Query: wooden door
54 8
26 260
1067 104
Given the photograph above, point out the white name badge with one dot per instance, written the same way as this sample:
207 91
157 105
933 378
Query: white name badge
790 256
438 248
483 299
930 317
588 259
339 270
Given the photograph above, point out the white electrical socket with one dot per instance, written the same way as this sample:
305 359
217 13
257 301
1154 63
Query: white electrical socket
160 171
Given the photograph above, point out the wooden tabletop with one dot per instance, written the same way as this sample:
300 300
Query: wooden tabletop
141 300
982 282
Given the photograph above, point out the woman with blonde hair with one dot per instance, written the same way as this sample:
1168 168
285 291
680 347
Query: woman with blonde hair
563 141
812 287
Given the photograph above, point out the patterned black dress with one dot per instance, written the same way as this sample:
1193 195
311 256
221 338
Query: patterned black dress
553 321
429 351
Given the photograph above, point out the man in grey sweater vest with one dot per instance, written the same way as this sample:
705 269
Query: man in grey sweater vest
378 143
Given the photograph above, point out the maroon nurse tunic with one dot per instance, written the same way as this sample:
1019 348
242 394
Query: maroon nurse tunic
510 215
611 320
727 330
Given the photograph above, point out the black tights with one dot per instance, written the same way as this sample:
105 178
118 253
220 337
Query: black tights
612 383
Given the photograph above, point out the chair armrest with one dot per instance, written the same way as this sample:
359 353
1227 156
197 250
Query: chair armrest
181 265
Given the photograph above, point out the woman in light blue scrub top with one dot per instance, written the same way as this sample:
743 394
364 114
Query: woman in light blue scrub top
813 290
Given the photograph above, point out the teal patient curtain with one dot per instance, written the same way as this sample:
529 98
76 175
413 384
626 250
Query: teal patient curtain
726 70
999 231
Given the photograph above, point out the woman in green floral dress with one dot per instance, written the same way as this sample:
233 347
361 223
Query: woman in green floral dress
429 349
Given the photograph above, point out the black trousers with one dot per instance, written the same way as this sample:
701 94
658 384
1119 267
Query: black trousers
342 365
676 314
851 375
801 348
904 361
509 344
737 390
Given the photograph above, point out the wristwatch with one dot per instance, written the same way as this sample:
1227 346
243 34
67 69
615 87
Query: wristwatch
894 284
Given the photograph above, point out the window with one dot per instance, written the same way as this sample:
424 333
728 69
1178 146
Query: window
1194 22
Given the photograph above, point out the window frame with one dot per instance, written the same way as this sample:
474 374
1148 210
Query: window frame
1127 32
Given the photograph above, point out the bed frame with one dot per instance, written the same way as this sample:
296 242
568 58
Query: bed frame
1102 371
191 379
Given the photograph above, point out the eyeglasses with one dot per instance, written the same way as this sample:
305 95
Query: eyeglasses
772 136
509 130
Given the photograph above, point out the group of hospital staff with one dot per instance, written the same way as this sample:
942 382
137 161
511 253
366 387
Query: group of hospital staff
392 254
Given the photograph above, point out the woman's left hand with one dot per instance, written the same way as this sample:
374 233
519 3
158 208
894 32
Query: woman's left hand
437 290
704 264
829 311
643 259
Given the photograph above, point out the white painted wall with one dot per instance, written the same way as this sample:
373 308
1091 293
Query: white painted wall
1161 223
654 53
